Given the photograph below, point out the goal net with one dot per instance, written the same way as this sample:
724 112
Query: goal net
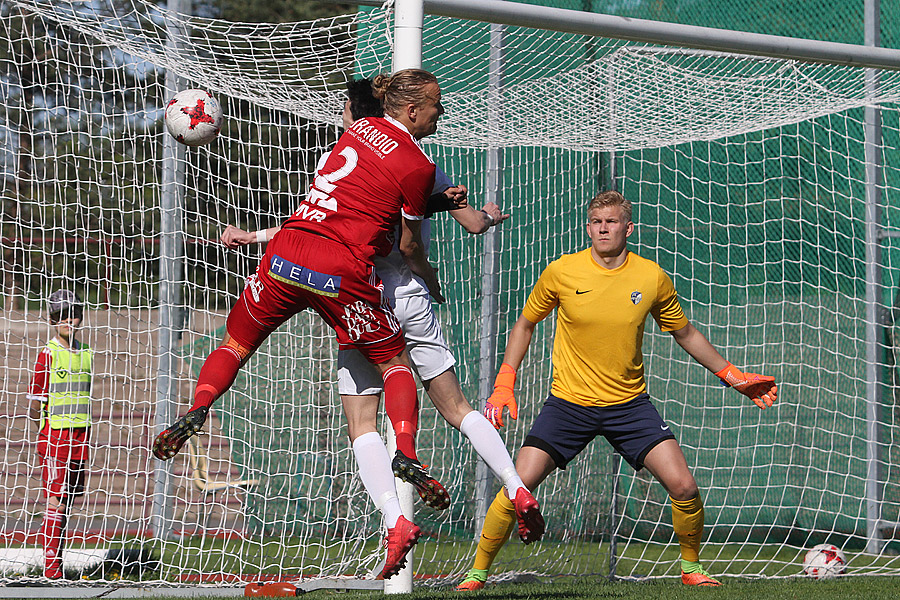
748 177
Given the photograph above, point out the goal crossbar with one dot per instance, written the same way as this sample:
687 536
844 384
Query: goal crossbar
658 32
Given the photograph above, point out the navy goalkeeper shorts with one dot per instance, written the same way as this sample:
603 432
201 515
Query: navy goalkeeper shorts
563 429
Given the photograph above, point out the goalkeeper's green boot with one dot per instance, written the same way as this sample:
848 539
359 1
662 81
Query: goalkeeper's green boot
696 575
412 471
473 582
169 442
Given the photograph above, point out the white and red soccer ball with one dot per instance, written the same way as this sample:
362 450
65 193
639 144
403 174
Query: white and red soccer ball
824 562
194 117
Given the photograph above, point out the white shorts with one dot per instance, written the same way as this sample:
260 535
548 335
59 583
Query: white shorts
425 343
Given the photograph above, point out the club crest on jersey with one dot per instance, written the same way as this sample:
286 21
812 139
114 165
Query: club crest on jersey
636 297
300 276
255 286
359 319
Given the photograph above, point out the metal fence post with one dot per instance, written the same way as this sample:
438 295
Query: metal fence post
171 267
490 278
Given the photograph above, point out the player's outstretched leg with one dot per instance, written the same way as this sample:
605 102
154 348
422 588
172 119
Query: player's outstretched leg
413 472
499 522
400 540
529 517
169 442
687 520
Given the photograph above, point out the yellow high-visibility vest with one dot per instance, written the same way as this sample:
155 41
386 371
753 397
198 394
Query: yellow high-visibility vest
69 403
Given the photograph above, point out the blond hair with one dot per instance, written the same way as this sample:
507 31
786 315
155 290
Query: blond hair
401 89
611 198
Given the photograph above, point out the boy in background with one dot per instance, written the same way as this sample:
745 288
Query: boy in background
60 396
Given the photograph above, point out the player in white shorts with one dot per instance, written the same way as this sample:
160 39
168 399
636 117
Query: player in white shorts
429 353
411 301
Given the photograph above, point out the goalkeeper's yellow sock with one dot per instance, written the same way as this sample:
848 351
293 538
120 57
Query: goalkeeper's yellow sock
498 524
687 520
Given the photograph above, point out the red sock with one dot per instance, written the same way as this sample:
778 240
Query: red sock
401 403
52 533
216 376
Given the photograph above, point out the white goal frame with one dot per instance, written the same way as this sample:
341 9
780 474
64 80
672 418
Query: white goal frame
408 53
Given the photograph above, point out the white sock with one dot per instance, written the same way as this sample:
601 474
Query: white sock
377 476
490 447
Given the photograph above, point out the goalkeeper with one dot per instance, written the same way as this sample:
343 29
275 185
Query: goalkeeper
603 295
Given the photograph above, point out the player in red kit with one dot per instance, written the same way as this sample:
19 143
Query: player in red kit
322 258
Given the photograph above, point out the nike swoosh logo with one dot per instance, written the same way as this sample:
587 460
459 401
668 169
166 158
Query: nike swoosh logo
664 427
582 291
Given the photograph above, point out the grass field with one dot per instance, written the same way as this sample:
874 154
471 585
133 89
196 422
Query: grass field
195 559
848 588
645 560
780 565
213 555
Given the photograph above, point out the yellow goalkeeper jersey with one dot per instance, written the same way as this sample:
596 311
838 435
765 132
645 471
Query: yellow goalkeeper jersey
597 358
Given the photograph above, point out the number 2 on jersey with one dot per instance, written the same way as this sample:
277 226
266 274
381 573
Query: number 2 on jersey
323 185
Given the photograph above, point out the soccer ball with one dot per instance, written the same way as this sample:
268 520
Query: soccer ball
194 117
824 562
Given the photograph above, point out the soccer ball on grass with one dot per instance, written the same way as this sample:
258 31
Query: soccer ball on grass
824 562
194 117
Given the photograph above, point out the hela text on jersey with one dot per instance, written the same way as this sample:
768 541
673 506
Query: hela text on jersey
293 274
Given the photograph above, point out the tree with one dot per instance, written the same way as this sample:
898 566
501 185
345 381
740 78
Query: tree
70 99
270 11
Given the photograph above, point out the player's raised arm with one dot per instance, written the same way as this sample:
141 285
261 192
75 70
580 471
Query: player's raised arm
478 221
504 396
457 196
759 388
235 237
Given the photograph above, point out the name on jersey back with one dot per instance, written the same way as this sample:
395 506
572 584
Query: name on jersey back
373 138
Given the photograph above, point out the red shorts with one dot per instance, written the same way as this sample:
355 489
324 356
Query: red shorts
301 270
64 454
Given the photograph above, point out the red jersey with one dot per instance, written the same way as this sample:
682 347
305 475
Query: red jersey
40 380
376 173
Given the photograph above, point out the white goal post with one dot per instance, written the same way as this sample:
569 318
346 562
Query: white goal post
765 176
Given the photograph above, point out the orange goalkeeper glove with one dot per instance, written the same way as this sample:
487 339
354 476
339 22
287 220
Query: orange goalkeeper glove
502 396
759 388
